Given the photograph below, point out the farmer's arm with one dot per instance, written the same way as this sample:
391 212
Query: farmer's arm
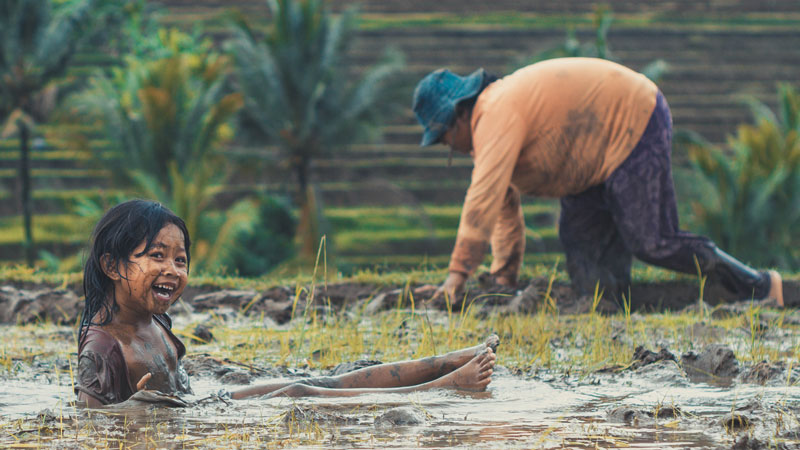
508 239
497 142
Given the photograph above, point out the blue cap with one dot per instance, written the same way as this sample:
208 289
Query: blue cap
436 97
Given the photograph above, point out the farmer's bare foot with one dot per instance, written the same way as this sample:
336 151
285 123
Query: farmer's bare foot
473 376
775 287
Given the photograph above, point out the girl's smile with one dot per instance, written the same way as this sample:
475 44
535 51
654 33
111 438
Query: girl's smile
153 280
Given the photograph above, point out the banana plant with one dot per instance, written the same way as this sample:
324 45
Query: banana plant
753 206
167 119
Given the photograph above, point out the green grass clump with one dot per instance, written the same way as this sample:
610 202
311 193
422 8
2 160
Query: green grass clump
321 336
58 173
63 228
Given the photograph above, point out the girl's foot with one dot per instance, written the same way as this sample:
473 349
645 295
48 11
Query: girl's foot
492 342
472 376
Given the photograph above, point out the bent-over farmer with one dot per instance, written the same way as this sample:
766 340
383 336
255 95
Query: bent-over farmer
591 132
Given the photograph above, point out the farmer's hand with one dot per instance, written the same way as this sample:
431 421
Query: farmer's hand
505 280
451 286
143 382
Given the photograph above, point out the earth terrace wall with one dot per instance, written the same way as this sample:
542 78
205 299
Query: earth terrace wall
710 67
709 70
405 7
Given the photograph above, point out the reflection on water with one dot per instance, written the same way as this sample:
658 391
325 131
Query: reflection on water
514 413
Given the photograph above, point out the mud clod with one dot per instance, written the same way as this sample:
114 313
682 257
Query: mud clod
643 357
667 412
248 302
715 361
307 415
735 422
626 414
236 377
705 333
202 332
22 306
524 302
382 301
226 298
750 443
199 365
764 372
400 417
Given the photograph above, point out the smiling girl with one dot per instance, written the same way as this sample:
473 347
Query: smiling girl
138 266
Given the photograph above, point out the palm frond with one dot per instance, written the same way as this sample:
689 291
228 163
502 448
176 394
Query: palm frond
754 208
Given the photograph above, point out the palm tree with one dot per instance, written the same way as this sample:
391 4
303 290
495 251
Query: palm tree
299 93
37 44
167 116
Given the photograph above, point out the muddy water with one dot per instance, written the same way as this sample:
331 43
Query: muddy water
655 407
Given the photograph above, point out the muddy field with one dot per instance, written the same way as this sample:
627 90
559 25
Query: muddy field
665 371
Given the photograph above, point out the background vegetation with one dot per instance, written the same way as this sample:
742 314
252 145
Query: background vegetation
753 206
388 203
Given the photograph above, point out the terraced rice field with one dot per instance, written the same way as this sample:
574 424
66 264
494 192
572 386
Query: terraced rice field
392 203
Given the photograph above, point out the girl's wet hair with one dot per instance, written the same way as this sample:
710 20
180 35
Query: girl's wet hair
114 239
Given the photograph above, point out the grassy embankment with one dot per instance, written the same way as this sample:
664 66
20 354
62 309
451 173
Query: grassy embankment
364 237
546 343
322 337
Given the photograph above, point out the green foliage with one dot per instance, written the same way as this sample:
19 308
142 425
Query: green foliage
572 47
268 243
37 44
753 209
129 27
167 114
300 94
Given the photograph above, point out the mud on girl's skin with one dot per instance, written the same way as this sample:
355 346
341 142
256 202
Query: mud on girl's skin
138 266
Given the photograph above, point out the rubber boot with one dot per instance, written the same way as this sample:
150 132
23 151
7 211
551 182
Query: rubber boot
734 275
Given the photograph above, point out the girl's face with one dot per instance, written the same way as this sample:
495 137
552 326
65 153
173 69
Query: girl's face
153 281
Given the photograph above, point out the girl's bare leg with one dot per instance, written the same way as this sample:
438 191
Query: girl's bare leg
260 389
411 373
475 375
400 374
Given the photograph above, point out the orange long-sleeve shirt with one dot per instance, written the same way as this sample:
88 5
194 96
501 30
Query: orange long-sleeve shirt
550 129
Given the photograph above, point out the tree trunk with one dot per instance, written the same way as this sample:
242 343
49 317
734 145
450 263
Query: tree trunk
25 194
300 167
308 225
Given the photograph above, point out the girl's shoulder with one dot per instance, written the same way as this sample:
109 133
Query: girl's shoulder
102 370
98 340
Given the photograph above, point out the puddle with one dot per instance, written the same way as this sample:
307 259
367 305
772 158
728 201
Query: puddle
652 405
515 412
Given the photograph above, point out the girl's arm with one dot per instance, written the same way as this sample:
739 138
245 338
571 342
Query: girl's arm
89 401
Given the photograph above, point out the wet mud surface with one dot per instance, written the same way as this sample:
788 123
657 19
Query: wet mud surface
650 404
662 398
22 303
